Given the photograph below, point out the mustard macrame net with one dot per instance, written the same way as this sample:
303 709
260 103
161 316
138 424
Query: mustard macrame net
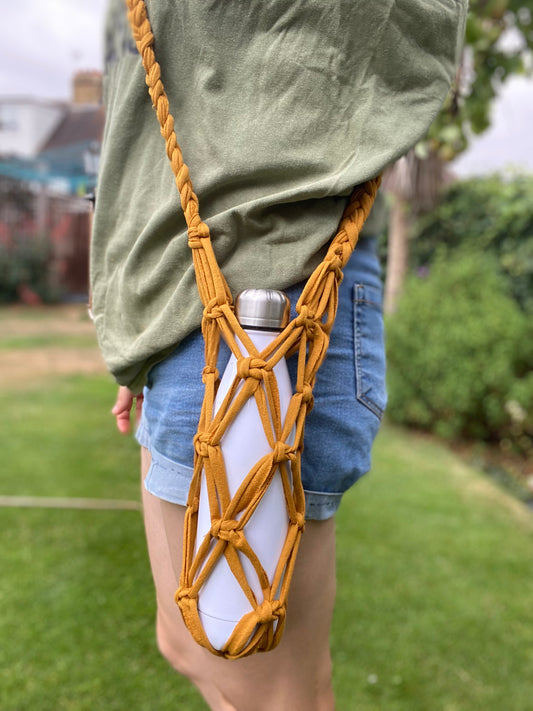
307 336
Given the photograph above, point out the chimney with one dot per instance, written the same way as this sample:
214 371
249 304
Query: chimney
87 87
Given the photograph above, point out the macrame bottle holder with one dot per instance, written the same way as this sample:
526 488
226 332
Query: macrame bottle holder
306 336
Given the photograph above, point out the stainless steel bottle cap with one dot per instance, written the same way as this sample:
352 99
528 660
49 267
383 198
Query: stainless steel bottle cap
267 309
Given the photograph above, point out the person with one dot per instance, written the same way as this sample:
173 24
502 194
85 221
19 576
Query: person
281 108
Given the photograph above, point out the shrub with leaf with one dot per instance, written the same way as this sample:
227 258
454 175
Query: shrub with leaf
460 354
26 263
490 215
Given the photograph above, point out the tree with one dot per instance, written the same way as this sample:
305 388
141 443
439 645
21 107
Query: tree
498 44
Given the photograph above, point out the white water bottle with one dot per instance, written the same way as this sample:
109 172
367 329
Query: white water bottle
221 601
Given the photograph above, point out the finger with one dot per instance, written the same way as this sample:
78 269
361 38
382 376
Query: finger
124 400
123 422
122 409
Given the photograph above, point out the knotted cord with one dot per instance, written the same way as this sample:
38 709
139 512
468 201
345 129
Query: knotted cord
307 336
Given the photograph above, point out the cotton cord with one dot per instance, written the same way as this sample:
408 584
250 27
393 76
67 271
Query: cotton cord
306 336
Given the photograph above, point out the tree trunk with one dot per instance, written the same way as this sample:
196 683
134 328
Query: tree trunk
398 253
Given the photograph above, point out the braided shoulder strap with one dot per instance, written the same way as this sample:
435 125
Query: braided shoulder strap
308 337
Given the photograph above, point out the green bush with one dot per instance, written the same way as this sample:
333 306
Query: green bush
486 214
26 263
460 354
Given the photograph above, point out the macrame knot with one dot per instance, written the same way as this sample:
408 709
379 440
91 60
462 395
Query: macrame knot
201 443
269 611
184 594
209 370
227 530
213 310
306 318
197 231
335 265
306 392
282 452
251 368
298 520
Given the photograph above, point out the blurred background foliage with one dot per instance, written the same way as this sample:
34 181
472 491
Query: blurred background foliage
26 254
498 44
460 353
25 264
490 215
460 341
459 256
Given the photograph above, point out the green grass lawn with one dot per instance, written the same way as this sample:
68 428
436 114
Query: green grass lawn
44 340
435 591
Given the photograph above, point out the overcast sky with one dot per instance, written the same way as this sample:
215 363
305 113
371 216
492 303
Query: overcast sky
508 143
45 41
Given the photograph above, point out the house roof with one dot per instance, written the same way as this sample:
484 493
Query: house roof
63 161
79 125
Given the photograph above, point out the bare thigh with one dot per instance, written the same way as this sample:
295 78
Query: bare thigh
297 674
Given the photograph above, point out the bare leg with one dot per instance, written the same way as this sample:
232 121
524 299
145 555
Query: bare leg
296 676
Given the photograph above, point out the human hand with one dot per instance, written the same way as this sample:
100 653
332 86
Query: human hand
122 408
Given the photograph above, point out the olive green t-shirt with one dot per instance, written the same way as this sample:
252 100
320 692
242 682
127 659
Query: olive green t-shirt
281 108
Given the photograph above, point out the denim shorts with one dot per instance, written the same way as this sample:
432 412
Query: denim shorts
349 398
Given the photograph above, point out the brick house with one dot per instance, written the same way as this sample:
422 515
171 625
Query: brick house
48 163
